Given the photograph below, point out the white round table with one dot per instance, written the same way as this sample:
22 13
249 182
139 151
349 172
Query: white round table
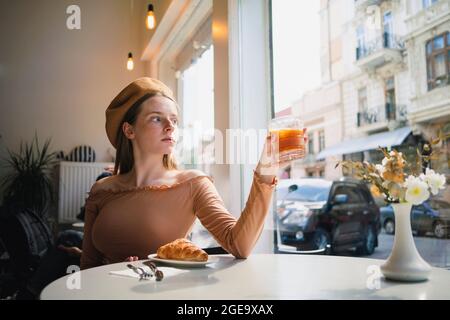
259 277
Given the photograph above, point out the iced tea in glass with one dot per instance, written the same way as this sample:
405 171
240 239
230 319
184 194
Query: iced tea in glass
290 143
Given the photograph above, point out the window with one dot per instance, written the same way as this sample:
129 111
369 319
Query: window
309 192
311 143
198 111
376 92
197 106
438 61
290 57
390 98
321 140
362 105
360 42
428 3
388 41
353 195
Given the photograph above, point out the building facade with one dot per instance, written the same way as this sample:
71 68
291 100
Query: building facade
390 60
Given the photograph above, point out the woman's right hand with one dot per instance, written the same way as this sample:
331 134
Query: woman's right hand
72 251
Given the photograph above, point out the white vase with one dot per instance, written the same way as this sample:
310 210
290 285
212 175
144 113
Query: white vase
404 262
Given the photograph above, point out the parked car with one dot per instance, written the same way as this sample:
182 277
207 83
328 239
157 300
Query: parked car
431 216
316 214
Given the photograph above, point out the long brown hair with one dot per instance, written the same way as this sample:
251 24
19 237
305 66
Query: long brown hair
124 154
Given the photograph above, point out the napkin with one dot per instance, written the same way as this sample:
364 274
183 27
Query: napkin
168 272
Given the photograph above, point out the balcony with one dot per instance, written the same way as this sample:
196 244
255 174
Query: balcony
388 115
383 50
427 18
363 4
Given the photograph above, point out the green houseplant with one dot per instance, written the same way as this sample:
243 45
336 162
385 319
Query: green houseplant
28 183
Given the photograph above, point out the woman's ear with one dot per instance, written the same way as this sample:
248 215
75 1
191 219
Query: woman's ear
128 130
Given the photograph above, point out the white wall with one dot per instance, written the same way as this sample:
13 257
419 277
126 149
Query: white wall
58 82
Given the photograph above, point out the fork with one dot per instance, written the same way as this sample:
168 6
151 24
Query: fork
140 271
158 273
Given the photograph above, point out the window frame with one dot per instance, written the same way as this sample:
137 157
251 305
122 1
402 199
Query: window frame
311 143
321 140
431 59
348 189
428 3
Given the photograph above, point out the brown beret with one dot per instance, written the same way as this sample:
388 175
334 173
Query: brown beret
132 93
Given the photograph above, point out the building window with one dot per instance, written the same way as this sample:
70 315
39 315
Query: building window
321 140
362 105
388 39
310 143
321 173
438 61
391 112
360 42
428 3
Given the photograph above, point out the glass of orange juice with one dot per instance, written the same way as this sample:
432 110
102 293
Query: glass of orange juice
289 143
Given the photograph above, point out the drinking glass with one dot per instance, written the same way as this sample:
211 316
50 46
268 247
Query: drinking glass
289 142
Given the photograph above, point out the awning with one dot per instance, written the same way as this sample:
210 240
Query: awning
384 139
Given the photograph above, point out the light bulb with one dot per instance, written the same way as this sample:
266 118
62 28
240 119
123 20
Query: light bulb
150 18
130 63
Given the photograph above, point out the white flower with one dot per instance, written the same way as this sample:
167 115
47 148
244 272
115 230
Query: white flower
416 190
380 168
410 180
434 180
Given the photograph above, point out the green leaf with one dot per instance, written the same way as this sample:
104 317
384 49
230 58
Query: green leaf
28 181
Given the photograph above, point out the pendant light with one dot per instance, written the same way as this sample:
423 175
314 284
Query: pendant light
130 63
150 21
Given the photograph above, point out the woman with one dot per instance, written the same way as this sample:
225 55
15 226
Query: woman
148 202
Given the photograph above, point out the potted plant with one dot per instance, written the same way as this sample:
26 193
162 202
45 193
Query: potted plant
28 184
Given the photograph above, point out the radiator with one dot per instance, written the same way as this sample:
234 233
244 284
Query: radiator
75 181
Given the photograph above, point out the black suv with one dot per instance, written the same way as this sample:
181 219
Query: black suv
316 215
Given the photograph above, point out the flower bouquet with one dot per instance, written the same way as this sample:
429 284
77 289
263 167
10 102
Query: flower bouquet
402 185
390 179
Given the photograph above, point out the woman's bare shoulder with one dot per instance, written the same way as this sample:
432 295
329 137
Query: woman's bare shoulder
108 183
184 175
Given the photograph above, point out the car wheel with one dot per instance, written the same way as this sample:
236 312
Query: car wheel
389 227
321 240
369 242
439 230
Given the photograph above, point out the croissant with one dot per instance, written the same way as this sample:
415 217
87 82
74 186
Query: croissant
181 249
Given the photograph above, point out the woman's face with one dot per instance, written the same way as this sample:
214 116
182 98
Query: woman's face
156 127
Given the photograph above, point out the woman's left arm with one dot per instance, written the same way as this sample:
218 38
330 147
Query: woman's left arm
239 237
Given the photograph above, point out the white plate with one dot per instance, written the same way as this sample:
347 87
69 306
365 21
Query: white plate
181 263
